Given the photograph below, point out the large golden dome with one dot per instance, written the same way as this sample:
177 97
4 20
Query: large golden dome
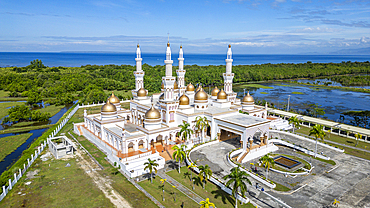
113 99
200 95
141 92
190 87
108 107
248 98
175 86
221 94
152 113
184 100
215 91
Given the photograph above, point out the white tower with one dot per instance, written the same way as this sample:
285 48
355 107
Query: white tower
139 73
181 72
168 80
228 77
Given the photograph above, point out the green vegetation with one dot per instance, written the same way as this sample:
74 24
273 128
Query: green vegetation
358 80
319 87
21 113
56 186
215 194
11 143
155 189
280 187
4 106
52 109
256 86
264 93
298 93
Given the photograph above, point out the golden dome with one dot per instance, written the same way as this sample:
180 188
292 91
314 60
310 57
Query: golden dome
215 91
190 87
168 44
181 46
175 86
184 100
248 98
141 92
201 95
138 45
152 113
113 99
221 95
108 107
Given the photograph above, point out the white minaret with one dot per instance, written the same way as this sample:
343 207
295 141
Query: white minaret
181 72
139 73
168 80
228 76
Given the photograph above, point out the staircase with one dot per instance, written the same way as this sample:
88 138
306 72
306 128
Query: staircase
243 156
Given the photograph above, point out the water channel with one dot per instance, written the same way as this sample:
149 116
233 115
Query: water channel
14 156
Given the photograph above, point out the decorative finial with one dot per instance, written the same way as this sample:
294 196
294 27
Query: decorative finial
168 44
229 45
168 40
138 45
181 46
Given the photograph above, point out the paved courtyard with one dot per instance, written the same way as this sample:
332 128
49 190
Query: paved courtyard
347 182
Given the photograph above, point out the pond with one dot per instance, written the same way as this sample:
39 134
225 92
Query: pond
333 101
325 80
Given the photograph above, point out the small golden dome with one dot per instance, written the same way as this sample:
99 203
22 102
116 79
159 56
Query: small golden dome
215 91
200 95
138 46
152 113
229 46
190 87
108 107
181 46
248 98
221 95
198 88
175 86
162 87
168 44
113 99
184 100
141 92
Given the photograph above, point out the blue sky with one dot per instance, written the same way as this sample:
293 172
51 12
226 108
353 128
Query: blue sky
251 26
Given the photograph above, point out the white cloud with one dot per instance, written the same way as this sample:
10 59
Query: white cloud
315 30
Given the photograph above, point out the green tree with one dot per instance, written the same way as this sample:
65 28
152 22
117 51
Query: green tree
36 64
206 204
268 162
295 121
18 113
318 133
205 173
192 165
151 166
238 179
179 154
33 97
185 131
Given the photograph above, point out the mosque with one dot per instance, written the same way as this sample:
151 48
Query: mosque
152 124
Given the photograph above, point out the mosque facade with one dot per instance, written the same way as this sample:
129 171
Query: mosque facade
152 124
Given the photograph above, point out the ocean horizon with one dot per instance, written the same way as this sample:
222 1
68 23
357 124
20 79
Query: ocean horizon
76 59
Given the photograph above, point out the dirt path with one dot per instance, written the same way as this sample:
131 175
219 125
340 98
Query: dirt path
103 184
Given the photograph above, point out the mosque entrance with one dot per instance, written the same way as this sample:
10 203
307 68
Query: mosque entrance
141 144
130 147
230 137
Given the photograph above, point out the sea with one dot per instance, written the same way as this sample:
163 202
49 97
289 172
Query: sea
72 59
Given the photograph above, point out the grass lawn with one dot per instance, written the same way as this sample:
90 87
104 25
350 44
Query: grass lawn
256 86
56 186
3 106
298 93
11 143
52 109
4 96
264 93
280 187
211 191
170 194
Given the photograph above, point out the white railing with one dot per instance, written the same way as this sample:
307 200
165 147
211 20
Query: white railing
5 190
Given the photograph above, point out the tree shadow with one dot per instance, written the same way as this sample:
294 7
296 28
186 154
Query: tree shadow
187 175
224 196
197 181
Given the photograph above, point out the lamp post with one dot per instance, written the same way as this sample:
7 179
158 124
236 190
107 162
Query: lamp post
287 109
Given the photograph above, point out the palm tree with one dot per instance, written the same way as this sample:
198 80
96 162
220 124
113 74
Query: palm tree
151 165
185 131
205 173
336 202
179 154
238 179
163 181
201 123
206 204
295 121
268 162
318 132
192 165
358 136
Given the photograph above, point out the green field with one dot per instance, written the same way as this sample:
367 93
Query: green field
11 143
298 93
3 106
215 194
255 86
52 109
265 93
170 194
56 186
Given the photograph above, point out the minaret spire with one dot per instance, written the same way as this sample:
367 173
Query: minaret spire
181 72
168 80
139 73
229 76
